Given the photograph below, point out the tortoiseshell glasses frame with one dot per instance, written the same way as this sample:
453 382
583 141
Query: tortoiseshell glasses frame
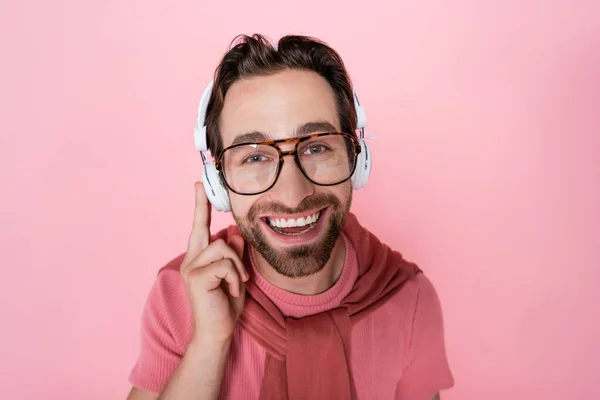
297 141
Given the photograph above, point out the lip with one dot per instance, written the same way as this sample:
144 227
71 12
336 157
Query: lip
306 238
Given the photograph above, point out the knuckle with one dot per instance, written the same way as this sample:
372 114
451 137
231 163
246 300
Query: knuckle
219 243
222 264
225 266
194 276
230 264
189 264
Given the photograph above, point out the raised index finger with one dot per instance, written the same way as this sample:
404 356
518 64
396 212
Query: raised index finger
200 235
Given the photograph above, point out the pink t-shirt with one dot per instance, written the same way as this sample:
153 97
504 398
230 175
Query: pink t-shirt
397 352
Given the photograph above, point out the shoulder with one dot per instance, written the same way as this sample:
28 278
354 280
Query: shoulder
426 296
420 303
427 306
418 300
167 308
168 285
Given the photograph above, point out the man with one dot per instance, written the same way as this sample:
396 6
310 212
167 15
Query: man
297 300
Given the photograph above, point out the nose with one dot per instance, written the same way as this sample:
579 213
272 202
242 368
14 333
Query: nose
292 186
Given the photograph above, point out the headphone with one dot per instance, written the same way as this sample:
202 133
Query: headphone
211 179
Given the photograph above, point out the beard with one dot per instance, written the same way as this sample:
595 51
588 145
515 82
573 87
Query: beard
302 260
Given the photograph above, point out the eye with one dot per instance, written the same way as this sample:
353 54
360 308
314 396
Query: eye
255 158
315 149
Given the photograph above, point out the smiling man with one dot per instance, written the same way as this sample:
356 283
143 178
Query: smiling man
297 300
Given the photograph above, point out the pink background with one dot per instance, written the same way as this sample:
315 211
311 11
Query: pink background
487 116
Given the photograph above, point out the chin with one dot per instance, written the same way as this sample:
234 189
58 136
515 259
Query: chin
295 244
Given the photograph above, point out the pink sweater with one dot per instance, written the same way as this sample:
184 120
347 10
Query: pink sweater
397 352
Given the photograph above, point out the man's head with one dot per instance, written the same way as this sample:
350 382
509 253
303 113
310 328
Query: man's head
292 213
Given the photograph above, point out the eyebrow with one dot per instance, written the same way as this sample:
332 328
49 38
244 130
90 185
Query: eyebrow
314 127
301 130
251 137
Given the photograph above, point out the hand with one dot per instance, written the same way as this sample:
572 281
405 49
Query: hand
214 277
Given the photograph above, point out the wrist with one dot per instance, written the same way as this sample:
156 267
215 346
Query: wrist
203 343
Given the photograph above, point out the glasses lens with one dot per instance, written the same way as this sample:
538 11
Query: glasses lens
250 168
327 160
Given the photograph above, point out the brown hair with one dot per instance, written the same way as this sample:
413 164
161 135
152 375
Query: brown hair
254 56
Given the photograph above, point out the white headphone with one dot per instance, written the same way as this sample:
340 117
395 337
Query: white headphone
217 192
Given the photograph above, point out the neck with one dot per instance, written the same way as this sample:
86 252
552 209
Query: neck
307 285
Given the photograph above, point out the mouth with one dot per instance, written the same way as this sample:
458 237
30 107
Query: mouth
294 226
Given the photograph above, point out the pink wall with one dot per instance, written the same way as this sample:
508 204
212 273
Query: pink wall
487 118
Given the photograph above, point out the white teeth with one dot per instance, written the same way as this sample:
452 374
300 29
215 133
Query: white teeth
303 221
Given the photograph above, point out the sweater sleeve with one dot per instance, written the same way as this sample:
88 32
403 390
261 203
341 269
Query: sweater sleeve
426 371
166 328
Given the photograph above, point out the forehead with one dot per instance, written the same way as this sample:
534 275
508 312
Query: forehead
276 105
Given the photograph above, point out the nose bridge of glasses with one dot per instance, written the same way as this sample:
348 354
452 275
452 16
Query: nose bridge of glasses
293 151
286 146
296 161
288 152
291 177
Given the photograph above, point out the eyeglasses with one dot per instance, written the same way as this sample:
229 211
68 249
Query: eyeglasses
325 159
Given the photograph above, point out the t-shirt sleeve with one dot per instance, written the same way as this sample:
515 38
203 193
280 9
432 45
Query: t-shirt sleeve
427 370
167 326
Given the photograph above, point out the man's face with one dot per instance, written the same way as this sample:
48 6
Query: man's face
276 107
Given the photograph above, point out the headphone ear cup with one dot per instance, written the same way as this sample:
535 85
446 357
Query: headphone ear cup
362 171
215 191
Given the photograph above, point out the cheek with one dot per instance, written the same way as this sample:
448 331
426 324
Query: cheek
240 205
343 192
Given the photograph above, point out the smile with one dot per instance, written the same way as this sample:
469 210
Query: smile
294 226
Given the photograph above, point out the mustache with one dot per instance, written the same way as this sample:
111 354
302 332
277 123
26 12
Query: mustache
310 203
